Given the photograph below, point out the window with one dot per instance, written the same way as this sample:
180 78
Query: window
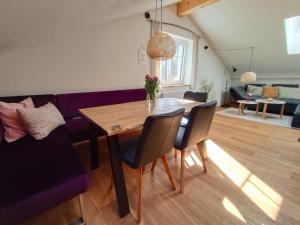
177 71
292 29
297 24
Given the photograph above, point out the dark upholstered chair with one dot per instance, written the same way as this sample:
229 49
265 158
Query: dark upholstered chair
195 132
196 96
157 139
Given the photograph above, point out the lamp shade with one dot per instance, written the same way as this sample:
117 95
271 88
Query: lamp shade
161 46
248 77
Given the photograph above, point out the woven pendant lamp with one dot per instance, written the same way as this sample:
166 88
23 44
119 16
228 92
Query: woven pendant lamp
249 76
161 46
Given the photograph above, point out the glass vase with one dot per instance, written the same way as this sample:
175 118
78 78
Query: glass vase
150 101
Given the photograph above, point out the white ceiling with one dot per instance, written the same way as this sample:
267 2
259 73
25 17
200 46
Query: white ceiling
34 20
258 23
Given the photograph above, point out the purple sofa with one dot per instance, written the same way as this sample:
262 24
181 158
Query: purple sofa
37 175
69 105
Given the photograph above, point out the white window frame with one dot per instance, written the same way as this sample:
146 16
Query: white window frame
186 69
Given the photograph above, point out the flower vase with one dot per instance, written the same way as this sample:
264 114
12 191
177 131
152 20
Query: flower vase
150 101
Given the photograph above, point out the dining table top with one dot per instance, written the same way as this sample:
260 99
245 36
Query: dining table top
120 118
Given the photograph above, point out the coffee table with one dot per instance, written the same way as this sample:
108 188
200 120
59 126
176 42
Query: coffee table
243 103
267 102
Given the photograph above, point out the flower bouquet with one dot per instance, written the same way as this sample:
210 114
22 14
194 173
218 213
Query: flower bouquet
152 88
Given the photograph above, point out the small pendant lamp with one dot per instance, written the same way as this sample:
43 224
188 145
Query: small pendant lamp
161 46
249 77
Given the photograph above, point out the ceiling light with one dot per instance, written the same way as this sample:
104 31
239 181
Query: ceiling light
161 46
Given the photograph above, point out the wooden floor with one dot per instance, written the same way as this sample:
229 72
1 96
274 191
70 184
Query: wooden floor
253 178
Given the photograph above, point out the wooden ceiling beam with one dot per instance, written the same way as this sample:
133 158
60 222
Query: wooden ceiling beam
187 7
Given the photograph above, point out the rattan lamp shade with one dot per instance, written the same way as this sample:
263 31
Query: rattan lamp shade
161 46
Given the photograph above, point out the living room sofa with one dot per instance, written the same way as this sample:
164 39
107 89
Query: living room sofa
292 106
37 175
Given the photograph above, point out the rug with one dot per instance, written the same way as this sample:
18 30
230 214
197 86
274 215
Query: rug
273 119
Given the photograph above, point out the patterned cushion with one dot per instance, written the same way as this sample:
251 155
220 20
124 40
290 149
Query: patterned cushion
255 90
270 92
13 128
40 122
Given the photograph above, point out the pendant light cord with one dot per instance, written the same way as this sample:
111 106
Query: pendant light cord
155 27
161 16
252 52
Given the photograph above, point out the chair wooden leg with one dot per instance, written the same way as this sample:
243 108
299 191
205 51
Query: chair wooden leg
167 168
153 165
182 171
139 194
204 150
200 148
143 169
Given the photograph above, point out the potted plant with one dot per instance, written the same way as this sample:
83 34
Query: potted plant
207 87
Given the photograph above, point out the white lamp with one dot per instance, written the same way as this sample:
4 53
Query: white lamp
248 77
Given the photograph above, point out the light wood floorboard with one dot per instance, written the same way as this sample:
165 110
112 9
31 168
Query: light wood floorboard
253 177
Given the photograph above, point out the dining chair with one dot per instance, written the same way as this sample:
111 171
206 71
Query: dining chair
195 132
157 139
195 96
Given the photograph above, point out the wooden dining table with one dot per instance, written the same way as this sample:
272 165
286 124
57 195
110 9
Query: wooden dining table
113 120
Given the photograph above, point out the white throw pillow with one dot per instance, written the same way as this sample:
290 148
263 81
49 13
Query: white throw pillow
40 122
255 90
289 92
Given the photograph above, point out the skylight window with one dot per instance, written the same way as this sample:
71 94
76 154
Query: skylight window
292 30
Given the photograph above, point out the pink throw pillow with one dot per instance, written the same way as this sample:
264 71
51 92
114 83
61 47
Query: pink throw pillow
13 128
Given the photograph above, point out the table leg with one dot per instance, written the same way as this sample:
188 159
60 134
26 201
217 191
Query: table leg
94 146
240 109
281 112
257 109
118 175
264 111
243 108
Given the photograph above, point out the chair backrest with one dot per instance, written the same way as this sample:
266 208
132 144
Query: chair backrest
158 136
196 96
199 123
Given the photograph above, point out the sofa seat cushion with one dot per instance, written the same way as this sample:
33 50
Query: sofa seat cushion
37 175
296 118
297 111
78 129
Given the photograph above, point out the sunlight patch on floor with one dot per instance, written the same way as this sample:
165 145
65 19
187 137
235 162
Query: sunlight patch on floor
268 200
231 208
192 160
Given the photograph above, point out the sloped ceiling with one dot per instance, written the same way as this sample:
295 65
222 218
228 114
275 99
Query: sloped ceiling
23 21
258 23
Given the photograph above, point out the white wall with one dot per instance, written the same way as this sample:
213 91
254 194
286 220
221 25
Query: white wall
210 68
100 57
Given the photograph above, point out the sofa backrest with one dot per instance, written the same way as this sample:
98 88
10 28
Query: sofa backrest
69 104
286 85
38 100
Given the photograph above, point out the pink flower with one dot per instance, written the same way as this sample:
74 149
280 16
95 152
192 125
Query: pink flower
147 77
